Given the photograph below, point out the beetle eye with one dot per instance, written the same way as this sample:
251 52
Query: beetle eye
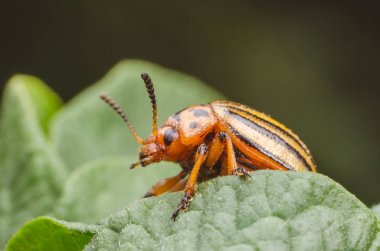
169 136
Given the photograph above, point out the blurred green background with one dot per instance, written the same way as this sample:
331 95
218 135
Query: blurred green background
312 66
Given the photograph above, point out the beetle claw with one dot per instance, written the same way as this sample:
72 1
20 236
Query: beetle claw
148 194
183 205
241 171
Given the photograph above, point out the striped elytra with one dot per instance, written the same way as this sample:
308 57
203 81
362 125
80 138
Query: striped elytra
264 142
219 138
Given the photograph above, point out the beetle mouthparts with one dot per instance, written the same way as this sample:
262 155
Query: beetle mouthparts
134 165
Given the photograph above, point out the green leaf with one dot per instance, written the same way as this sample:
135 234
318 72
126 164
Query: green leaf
97 189
377 209
376 244
31 174
45 233
271 211
86 129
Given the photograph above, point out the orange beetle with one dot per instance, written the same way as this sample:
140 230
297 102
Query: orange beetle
219 138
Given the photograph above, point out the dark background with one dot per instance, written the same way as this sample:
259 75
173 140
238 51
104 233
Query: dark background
313 66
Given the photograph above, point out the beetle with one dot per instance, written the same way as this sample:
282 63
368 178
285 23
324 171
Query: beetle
215 139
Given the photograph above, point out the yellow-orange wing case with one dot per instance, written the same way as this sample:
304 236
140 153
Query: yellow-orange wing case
260 141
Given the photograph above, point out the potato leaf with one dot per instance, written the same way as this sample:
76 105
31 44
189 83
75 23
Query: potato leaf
272 211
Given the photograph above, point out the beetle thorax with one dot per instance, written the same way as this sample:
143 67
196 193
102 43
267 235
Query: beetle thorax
179 135
193 123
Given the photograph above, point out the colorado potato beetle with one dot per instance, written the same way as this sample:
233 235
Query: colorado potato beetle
218 138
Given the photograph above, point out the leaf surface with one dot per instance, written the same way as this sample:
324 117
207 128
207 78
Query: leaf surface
376 208
271 211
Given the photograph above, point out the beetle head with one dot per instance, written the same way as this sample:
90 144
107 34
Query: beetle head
162 144
165 146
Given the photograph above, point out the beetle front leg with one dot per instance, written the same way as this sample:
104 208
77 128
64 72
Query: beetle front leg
189 190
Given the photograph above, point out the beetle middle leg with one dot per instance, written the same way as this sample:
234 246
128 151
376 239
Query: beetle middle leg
200 158
171 184
216 149
232 167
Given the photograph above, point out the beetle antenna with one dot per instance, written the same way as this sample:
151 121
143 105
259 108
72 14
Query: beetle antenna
149 87
116 107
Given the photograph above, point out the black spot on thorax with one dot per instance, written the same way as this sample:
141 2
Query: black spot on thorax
177 115
200 112
193 125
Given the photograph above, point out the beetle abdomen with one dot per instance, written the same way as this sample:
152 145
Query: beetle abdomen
263 141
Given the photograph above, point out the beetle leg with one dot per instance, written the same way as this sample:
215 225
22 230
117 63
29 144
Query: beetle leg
200 157
216 149
179 186
232 167
166 185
